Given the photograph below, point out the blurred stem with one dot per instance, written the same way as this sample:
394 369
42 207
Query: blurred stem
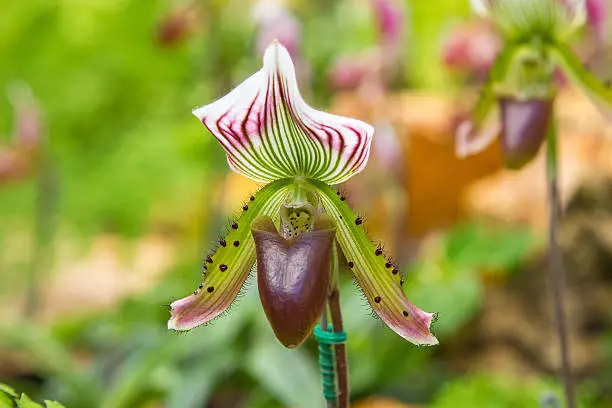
340 349
44 228
555 264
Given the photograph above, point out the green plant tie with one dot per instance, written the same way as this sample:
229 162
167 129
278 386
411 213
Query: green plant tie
326 340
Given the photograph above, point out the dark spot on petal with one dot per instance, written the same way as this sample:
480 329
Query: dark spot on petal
222 243
208 259
378 252
405 313
210 289
245 207
351 264
401 282
236 243
201 286
388 264
340 217
204 266
252 198
377 299
234 225
342 198
338 192
195 292
223 267
395 271
358 221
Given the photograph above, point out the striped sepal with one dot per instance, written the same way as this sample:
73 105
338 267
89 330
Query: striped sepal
269 132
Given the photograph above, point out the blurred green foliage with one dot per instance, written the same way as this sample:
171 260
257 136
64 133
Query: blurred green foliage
135 359
492 392
131 160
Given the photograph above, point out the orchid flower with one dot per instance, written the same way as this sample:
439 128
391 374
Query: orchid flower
522 78
271 135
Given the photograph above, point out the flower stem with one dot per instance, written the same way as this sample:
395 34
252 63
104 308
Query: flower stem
555 265
340 349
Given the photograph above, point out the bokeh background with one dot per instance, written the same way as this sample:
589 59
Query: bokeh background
111 192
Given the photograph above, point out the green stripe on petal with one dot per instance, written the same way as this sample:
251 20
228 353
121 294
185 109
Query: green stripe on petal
229 267
598 91
269 132
380 283
477 133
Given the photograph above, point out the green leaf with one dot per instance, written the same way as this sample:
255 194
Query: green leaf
49 355
26 402
289 375
462 289
5 401
197 383
481 246
491 391
8 390
53 404
22 401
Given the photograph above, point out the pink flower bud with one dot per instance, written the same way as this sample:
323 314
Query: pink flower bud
472 48
275 22
391 20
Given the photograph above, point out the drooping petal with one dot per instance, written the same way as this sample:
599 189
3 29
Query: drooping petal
471 140
227 269
524 127
269 132
598 91
293 277
477 133
379 279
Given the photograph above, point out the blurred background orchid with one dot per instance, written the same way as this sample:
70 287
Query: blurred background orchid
522 75
522 82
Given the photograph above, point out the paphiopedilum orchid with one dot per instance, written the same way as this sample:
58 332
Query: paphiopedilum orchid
271 135
522 79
